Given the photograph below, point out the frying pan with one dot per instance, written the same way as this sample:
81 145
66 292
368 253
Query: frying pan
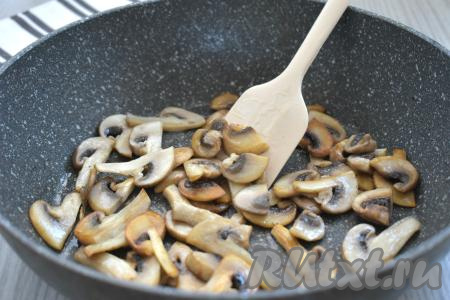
372 74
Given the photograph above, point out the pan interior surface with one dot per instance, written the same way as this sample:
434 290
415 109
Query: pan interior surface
371 75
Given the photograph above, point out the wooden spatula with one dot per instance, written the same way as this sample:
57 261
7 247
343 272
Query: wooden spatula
276 109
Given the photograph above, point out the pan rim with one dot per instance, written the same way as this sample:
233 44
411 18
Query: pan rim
42 250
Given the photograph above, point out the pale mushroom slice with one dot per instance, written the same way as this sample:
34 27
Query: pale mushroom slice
112 126
231 275
399 170
146 138
283 213
242 139
94 146
202 264
54 223
360 162
122 144
182 154
224 100
136 231
200 190
244 168
336 168
198 168
356 244
238 218
284 188
253 199
308 226
134 120
360 143
206 143
107 196
213 206
186 280
178 119
148 269
218 124
221 236
374 205
106 263
306 203
161 253
220 114
336 129
178 230
317 139
173 178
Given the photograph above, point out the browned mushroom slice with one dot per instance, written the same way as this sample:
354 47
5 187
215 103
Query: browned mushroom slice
202 168
106 196
334 127
244 168
161 253
122 144
307 204
136 232
319 162
134 120
201 190
182 154
54 223
231 275
220 114
334 169
380 152
399 170
288 242
206 143
222 237
317 139
407 199
399 153
186 280
225 199
360 162
176 229
178 119
202 264
213 206
106 263
337 153
241 139
224 100
173 178
284 188
316 107
356 244
146 138
365 181
219 124
253 199
94 146
308 226
374 205
148 270
283 213
360 143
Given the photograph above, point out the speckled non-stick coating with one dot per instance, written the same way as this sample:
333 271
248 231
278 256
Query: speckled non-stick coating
370 74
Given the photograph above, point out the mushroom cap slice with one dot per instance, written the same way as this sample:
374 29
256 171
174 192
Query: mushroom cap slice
202 168
360 143
356 244
206 143
178 230
94 146
106 196
178 119
147 269
202 264
201 190
238 218
159 167
307 204
284 188
336 129
224 100
146 138
182 154
136 231
186 280
407 199
95 227
334 169
365 181
374 205
54 223
360 162
242 139
213 206
308 226
218 124
173 178
339 198
283 213
244 168
122 144
113 126
253 199
397 170
134 120
220 114
317 139
337 153
106 263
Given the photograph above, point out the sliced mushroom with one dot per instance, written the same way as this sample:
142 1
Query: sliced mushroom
201 190
316 107
94 146
134 120
241 139
106 263
225 199
223 101
112 126
178 119
202 168
218 124
148 270
235 188
334 169
161 253
360 143
182 154
360 162
356 244
213 206
307 204
231 275
399 153
336 129
222 237
253 199
238 218
283 213
319 162
244 168
218 115
288 242
308 226
202 264
136 231
407 199
365 181
317 139
374 205
337 153
146 138
206 143
284 188
54 223
173 178
122 144
186 280
399 170
380 152
178 230
106 196
113 243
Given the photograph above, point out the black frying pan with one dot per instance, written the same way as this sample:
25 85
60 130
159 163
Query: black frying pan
372 74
